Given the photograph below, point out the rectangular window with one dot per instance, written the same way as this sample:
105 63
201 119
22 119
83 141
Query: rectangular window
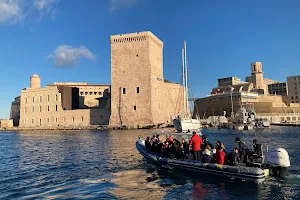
254 68
82 119
134 107
48 108
32 121
55 119
294 118
48 98
55 97
282 119
55 107
72 119
32 108
138 90
124 91
25 109
40 108
41 98
32 99
288 119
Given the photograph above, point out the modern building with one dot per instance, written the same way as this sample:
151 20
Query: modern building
293 84
229 81
277 88
56 105
139 94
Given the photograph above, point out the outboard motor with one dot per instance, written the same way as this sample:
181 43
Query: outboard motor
278 161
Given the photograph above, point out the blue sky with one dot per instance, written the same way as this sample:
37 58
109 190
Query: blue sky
69 40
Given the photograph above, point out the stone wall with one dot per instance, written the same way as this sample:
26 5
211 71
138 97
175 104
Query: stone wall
5 123
139 95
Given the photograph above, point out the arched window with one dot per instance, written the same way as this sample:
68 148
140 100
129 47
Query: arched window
72 119
95 93
91 93
81 93
41 98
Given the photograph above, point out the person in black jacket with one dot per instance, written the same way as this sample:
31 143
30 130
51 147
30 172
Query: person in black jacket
242 150
234 157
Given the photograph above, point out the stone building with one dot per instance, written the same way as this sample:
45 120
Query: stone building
258 93
89 94
139 95
293 83
229 81
56 105
15 111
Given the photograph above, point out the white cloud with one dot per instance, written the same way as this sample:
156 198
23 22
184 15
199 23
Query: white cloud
13 11
9 11
121 4
67 56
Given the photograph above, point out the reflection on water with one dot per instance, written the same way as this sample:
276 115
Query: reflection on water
106 165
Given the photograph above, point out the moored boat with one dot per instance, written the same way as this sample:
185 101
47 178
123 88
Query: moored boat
276 164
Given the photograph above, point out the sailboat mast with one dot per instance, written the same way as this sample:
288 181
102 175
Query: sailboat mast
186 83
183 82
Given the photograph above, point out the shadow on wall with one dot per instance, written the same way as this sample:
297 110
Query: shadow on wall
99 116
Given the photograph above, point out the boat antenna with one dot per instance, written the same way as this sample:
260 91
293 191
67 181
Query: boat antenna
185 66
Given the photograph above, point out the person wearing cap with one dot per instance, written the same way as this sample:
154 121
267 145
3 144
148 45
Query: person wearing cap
195 144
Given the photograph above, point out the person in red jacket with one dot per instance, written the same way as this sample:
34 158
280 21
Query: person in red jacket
195 143
220 156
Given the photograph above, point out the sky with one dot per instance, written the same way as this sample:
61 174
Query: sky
68 40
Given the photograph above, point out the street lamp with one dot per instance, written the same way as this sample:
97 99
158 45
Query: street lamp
232 113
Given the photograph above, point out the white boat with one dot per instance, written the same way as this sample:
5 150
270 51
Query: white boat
275 163
185 123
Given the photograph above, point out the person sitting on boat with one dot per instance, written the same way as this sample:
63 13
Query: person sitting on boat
165 149
220 156
184 149
147 143
169 139
242 149
206 157
195 144
172 151
256 154
205 143
234 157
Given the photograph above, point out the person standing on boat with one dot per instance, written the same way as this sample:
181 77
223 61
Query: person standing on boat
242 149
195 144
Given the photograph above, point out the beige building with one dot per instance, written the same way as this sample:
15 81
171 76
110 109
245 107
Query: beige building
89 94
6 123
293 84
56 105
229 81
139 95
252 94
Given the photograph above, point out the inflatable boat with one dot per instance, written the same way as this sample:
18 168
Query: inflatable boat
276 163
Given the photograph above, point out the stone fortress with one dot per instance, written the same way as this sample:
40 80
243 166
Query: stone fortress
137 97
268 98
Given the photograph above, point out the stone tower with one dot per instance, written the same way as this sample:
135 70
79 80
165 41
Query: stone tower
257 75
136 75
35 81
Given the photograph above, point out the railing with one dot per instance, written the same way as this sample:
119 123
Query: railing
277 114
